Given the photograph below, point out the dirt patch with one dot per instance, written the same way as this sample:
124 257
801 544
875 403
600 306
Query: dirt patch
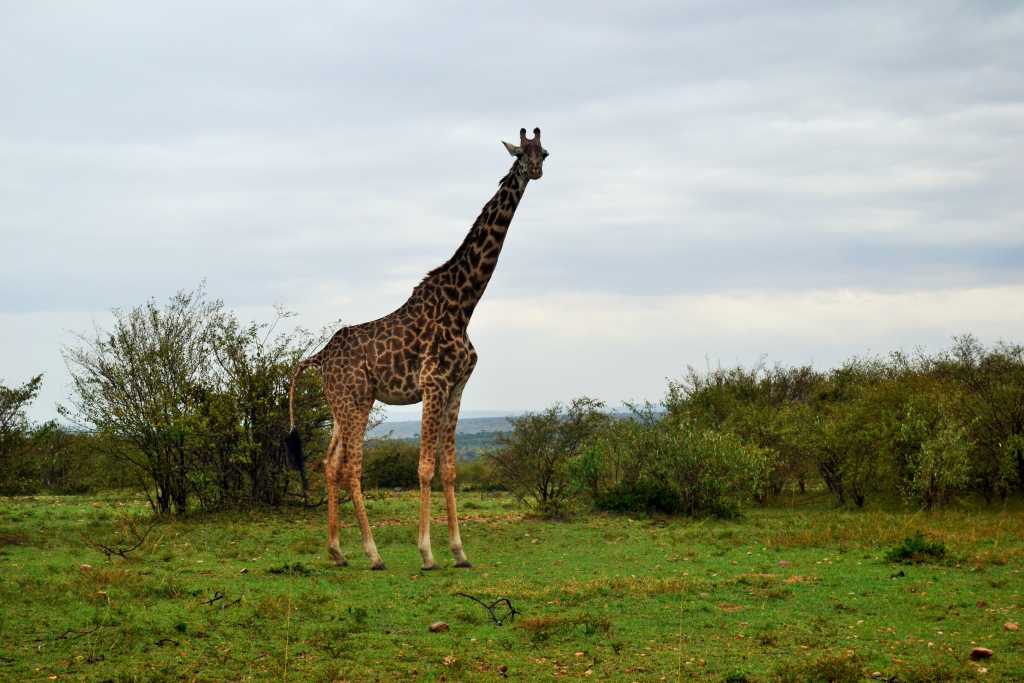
13 538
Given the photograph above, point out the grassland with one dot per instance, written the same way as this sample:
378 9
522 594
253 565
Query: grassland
798 593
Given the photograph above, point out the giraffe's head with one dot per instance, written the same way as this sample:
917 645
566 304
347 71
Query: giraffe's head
529 152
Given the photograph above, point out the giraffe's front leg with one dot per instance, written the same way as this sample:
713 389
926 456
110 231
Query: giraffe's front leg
433 414
448 477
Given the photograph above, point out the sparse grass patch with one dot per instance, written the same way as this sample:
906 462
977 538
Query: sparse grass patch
292 569
845 667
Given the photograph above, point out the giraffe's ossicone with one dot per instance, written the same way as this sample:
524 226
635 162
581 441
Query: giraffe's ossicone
419 352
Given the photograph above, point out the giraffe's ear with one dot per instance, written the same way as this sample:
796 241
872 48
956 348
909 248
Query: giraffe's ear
512 149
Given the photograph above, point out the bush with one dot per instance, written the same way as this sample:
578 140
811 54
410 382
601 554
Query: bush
938 464
478 475
532 461
926 429
198 400
992 410
16 468
917 549
671 465
640 496
391 464
752 404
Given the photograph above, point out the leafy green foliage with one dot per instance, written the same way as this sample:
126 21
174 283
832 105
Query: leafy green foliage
533 460
917 549
928 429
391 463
15 434
670 465
196 401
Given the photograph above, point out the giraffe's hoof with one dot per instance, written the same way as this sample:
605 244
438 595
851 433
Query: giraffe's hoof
464 564
378 567
338 559
428 567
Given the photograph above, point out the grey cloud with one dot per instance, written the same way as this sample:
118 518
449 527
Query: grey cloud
696 147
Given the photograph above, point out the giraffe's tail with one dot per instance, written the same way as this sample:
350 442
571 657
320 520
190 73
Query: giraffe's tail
293 442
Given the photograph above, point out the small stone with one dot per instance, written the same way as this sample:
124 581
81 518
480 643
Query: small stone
245 570
503 670
1011 626
876 675
438 627
85 567
980 653
578 654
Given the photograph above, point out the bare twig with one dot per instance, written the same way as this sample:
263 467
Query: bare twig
72 634
217 596
509 615
123 550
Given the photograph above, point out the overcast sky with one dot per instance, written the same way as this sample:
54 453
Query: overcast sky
800 181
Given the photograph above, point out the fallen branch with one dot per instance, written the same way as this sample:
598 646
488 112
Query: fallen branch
217 596
509 615
72 634
122 551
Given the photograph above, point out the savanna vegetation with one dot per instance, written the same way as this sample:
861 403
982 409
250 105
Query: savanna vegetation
920 431
767 523
806 592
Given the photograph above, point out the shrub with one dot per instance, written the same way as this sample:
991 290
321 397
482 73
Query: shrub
924 428
938 464
478 475
16 468
671 465
640 496
532 461
391 463
916 549
199 400
992 410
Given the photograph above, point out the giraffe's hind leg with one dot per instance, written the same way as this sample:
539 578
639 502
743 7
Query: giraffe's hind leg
448 476
354 472
332 470
434 404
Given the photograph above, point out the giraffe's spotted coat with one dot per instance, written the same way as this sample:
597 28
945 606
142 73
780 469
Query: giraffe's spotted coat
419 352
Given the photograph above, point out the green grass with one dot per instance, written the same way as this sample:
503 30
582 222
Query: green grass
794 594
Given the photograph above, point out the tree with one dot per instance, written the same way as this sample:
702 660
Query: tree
146 382
255 364
15 433
197 402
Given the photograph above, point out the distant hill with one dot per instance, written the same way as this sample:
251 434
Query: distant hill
473 436
410 429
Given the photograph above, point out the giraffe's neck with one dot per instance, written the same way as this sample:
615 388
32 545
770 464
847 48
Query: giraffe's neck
464 277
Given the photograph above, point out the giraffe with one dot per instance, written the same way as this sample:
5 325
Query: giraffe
419 352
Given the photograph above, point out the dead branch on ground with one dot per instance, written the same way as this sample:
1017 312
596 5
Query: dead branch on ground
491 608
